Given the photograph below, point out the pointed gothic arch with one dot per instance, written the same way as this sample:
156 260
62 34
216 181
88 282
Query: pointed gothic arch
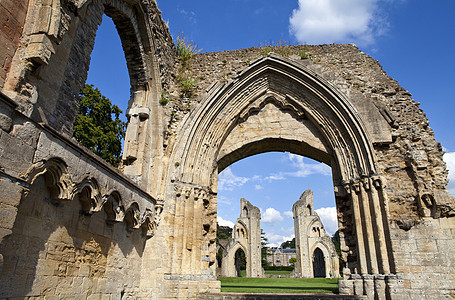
279 105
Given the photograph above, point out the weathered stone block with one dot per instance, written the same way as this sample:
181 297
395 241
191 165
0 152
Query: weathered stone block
7 216
10 193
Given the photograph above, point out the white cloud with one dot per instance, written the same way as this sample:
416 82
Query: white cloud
223 222
189 15
275 177
449 158
337 21
288 214
222 199
328 217
258 187
289 230
271 215
276 240
227 181
305 169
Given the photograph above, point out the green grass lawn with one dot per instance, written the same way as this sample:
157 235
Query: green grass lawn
278 285
276 272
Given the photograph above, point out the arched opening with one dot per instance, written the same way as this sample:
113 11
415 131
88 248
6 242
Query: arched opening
274 181
279 105
240 262
108 70
318 263
101 122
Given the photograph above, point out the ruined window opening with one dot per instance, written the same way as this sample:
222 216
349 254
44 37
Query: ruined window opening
108 73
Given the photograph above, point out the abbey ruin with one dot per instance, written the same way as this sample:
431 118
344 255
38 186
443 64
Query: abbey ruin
246 236
316 254
72 226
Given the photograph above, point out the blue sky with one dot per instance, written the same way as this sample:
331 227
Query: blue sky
414 41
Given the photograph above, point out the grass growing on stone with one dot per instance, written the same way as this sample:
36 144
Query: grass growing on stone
278 285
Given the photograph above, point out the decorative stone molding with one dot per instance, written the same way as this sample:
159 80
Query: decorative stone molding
89 194
114 210
133 217
57 178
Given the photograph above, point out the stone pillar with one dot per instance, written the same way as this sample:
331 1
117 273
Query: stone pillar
346 287
358 284
354 190
380 287
368 286
391 281
377 196
369 232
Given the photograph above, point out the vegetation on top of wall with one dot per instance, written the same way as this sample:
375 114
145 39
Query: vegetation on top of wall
288 244
280 47
98 126
185 50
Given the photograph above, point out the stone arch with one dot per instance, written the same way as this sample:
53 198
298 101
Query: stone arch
240 230
228 263
50 68
324 248
279 105
319 262
88 193
340 138
61 47
56 176
246 233
114 208
315 222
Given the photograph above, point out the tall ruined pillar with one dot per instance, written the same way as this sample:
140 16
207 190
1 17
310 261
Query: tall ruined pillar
310 236
246 235
301 209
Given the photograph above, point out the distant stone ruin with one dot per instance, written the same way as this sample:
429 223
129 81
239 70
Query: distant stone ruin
246 236
315 252
71 226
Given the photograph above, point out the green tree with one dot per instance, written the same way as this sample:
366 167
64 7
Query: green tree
223 232
288 244
98 126
337 242
292 261
264 243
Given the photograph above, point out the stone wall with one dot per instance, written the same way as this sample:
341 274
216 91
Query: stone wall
11 25
70 224
329 102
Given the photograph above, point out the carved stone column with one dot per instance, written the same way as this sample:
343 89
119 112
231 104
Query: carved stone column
370 219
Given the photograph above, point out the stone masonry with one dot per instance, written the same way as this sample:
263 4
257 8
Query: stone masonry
71 226
311 239
246 235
